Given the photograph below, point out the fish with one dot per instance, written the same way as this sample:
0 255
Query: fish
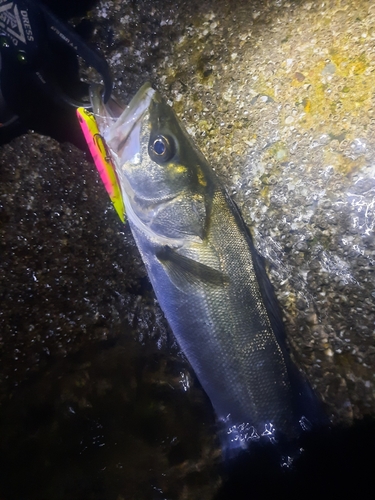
206 273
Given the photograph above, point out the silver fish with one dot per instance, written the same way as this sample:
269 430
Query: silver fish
207 276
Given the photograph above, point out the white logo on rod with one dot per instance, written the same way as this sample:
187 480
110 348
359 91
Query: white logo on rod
10 21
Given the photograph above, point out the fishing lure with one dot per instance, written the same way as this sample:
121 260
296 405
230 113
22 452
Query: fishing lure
102 159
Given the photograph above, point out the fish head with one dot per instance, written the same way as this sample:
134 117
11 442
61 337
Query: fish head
162 175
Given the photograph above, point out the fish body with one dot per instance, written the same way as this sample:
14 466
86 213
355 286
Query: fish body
208 278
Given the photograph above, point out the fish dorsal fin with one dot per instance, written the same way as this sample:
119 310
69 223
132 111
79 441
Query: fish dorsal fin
186 274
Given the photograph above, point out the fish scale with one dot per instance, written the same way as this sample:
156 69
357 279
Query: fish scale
208 278
245 329
225 331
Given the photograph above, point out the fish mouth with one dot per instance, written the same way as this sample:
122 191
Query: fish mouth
119 126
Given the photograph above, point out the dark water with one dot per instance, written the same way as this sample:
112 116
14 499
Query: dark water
336 463
105 424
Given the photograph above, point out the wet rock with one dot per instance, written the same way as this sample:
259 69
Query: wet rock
314 135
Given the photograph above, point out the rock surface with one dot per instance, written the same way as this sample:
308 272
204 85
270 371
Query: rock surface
279 96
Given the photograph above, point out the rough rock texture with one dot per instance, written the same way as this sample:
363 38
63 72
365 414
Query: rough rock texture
279 96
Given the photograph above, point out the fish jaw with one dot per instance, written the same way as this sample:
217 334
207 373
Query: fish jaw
120 127
153 190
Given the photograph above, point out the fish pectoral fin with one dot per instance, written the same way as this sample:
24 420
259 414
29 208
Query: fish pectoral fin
186 273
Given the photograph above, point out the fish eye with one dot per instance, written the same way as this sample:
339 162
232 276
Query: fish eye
161 148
